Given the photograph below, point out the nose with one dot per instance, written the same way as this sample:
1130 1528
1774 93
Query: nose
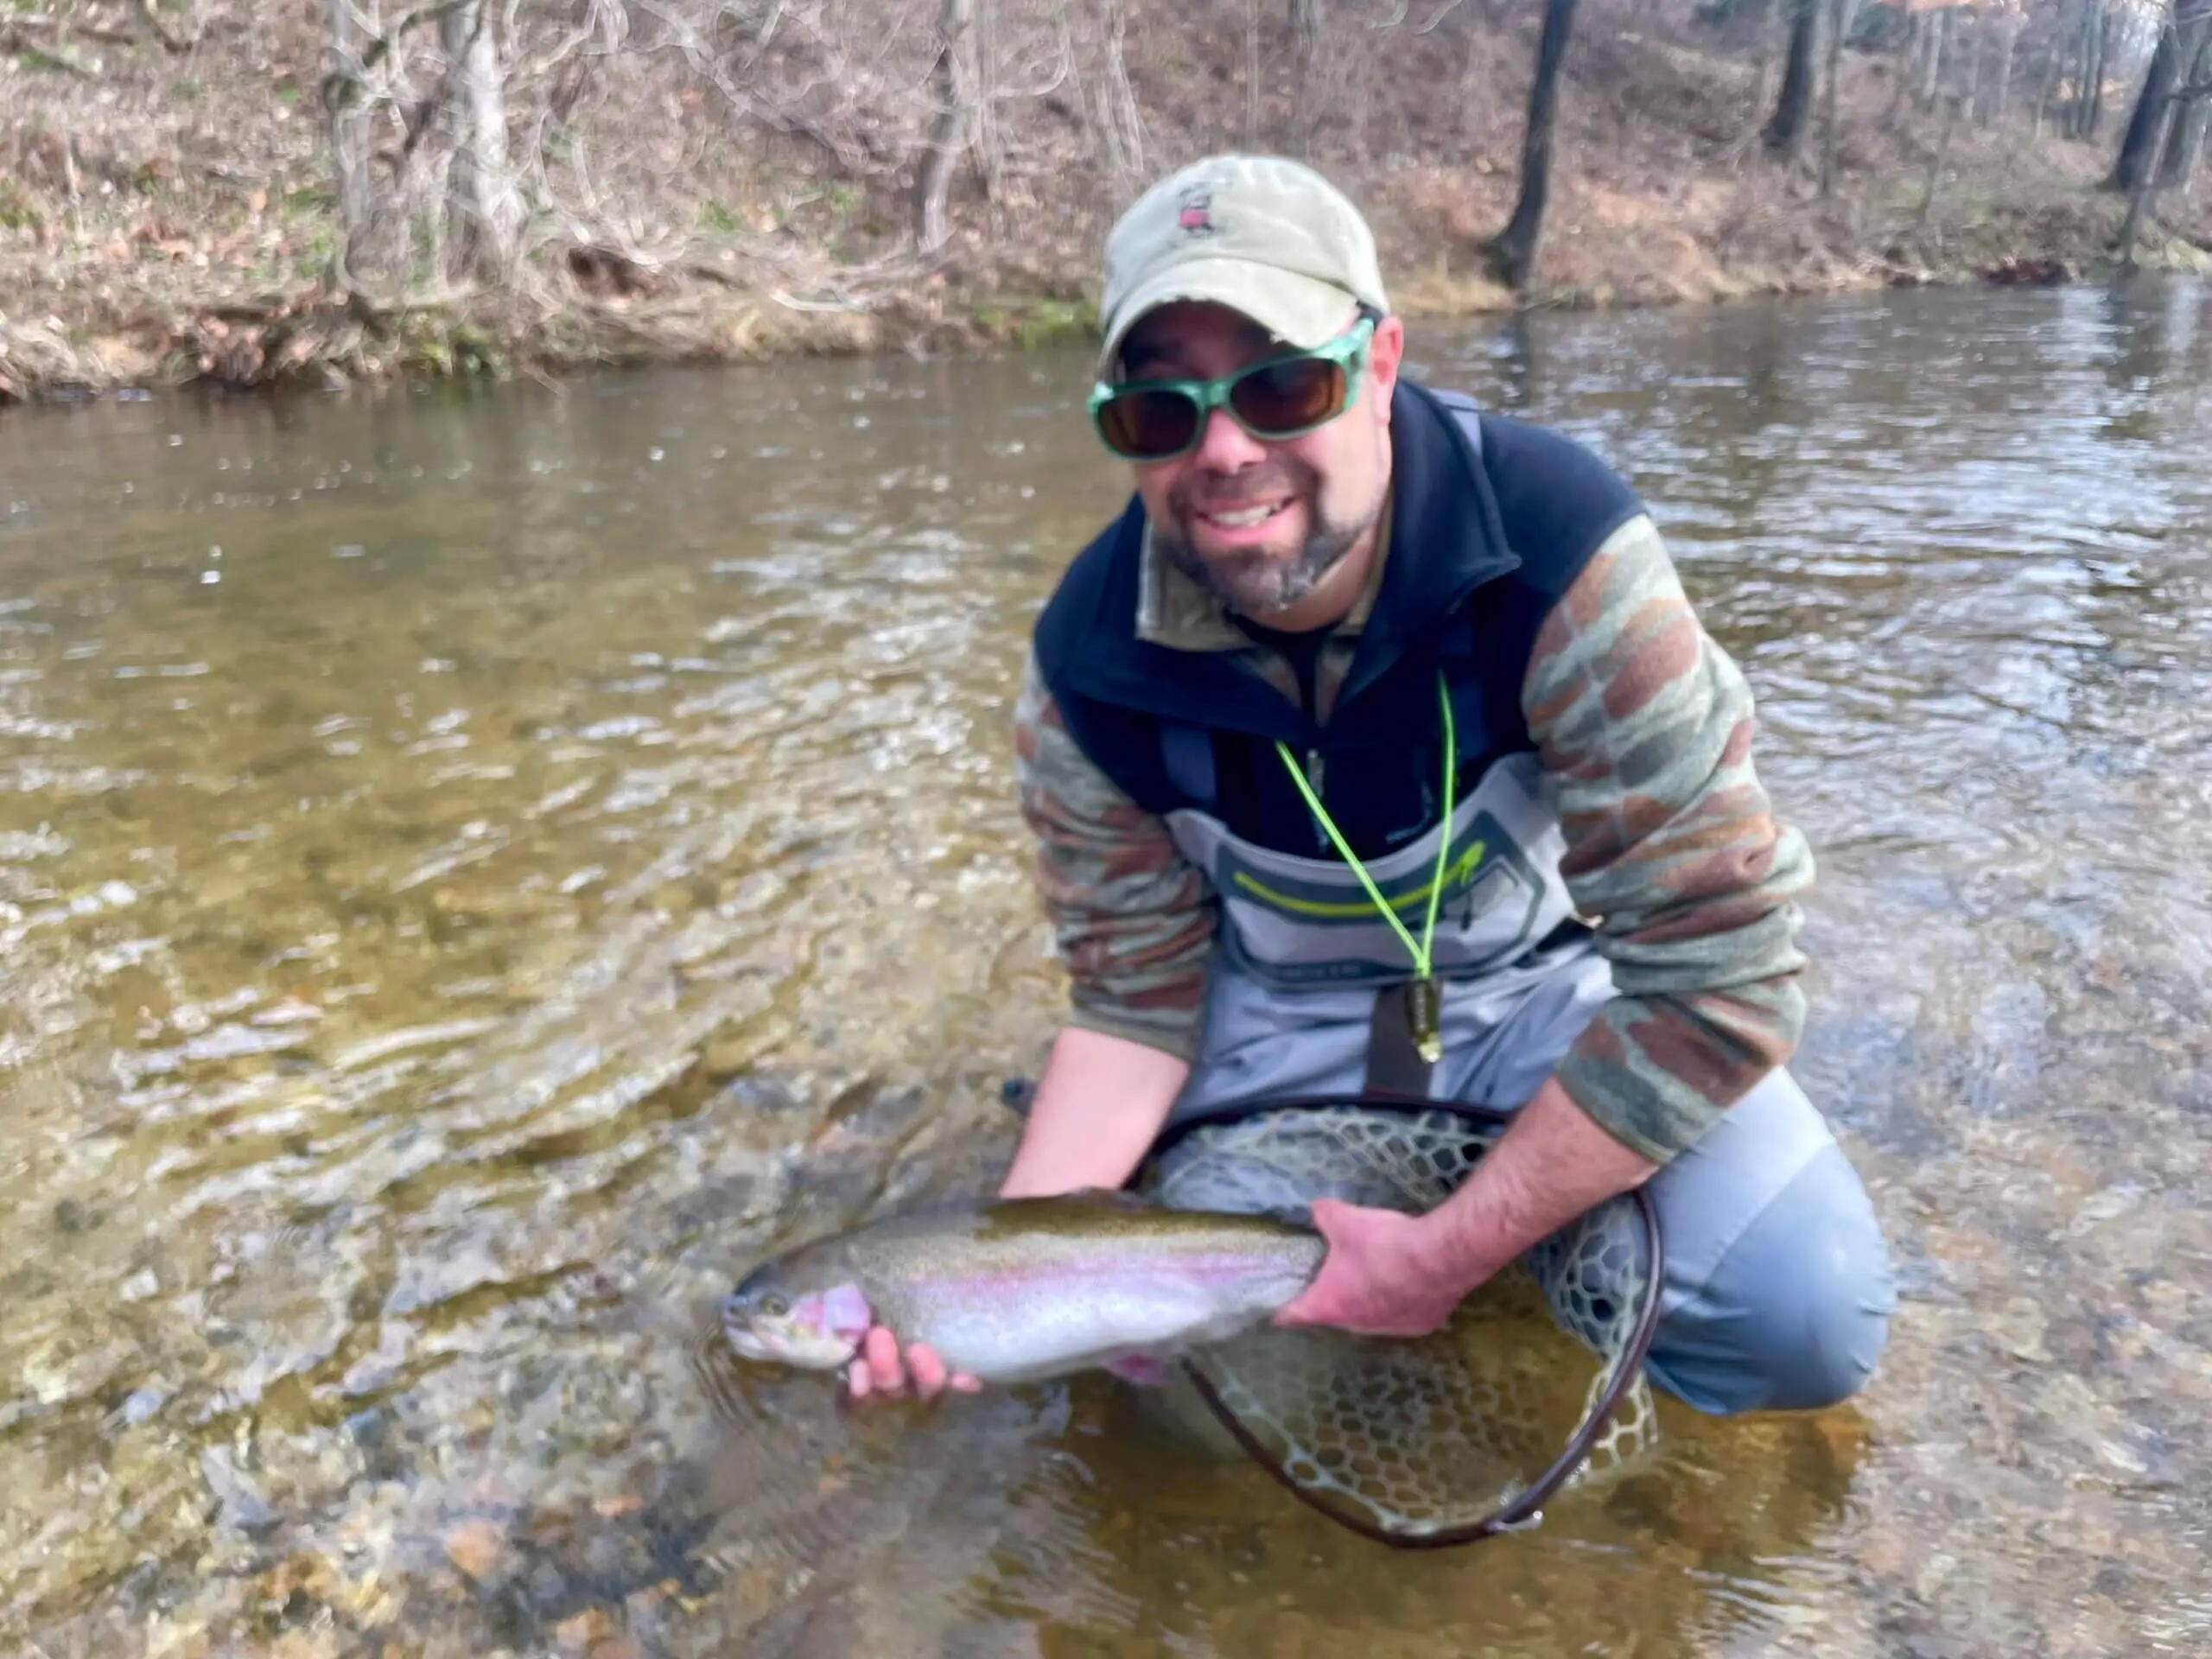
1225 447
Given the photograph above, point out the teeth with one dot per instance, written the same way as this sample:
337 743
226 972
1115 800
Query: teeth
1244 520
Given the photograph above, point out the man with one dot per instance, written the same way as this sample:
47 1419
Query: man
1376 745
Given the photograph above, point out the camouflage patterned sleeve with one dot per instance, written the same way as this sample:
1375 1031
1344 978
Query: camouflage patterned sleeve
1646 725
1133 918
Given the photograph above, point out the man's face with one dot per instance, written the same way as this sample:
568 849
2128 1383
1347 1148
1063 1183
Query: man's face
1261 524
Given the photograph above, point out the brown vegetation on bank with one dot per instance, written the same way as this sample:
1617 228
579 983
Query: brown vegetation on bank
251 192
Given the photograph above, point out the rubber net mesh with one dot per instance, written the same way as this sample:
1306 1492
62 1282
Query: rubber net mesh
1416 1439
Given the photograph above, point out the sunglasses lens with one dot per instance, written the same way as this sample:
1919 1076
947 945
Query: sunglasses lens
1291 396
1148 425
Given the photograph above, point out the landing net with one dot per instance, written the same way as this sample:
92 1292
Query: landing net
1536 1386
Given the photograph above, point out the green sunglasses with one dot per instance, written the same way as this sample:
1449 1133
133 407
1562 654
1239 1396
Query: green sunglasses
1283 398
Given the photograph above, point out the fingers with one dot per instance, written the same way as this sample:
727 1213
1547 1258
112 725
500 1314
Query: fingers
879 1369
1302 1310
929 1372
875 1370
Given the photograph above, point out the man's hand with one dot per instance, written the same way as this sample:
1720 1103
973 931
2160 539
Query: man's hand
1389 1274
1382 1275
878 1370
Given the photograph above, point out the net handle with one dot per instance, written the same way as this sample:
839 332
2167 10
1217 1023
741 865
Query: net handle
1517 1513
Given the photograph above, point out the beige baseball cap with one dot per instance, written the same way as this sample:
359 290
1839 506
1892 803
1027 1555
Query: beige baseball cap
1264 236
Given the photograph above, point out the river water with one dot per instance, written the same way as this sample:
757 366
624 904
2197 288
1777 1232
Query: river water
477 869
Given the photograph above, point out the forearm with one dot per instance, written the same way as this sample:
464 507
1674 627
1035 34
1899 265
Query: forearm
1553 1164
1646 727
1098 1107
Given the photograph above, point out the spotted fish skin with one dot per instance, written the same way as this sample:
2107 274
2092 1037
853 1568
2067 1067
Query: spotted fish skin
1022 1289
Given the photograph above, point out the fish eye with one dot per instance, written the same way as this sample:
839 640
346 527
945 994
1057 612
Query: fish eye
774 1306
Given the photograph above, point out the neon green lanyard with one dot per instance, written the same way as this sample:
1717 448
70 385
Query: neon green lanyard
1421 1001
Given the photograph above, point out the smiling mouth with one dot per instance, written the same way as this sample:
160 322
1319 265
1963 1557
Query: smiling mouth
1244 518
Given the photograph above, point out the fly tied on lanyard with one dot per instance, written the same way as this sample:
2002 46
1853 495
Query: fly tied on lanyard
1424 1000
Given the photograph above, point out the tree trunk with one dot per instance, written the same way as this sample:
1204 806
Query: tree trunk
2054 63
1762 64
1978 71
1306 35
483 215
2186 133
1908 68
948 82
1252 74
2097 39
1936 167
1939 35
1838 20
2200 122
348 132
2145 185
986 147
2010 50
2142 143
1793 111
1514 252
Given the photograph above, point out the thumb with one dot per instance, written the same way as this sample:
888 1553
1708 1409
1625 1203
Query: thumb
1329 1219
1334 1219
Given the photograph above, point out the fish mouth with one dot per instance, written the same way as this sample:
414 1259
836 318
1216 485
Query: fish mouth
770 1344
744 1343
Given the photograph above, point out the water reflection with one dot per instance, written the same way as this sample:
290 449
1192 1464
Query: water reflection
474 867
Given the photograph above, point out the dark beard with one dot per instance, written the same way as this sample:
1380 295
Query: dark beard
1257 584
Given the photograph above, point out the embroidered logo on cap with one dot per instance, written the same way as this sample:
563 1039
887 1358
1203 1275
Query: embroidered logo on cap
1196 217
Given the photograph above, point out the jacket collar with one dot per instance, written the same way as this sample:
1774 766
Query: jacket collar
1172 650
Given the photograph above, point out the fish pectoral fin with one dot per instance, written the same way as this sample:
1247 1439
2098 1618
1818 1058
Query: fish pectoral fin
1117 1197
1144 1370
1093 1197
845 1313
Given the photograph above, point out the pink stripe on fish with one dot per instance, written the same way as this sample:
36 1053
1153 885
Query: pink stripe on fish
1184 1270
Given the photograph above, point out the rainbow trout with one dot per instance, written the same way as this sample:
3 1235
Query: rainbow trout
1021 1289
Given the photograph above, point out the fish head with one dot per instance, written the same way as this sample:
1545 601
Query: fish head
770 1317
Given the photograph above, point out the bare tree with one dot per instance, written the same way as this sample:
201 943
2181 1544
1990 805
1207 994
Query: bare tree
1251 74
346 128
2144 141
2015 20
1306 35
1514 251
1937 35
955 98
1832 97
2186 143
1793 111
483 211
2089 95
1763 53
2054 63
2146 185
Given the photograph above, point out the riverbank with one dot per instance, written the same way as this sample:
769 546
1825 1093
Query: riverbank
186 249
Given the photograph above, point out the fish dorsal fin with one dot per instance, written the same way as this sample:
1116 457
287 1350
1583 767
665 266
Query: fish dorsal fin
1115 1199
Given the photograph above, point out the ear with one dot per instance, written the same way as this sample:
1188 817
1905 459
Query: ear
1385 353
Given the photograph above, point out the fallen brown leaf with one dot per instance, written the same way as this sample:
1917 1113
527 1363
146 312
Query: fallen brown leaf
473 1548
